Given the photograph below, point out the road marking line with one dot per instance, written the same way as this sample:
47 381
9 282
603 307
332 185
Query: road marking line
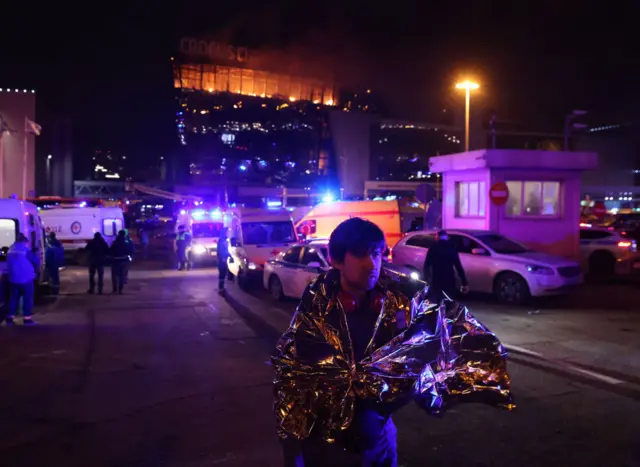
593 374
601 377
516 348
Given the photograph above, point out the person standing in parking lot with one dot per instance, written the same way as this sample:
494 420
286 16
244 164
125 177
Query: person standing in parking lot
98 250
440 266
121 251
22 265
183 241
223 257
54 260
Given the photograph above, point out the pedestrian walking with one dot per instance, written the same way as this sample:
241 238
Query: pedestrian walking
120 251
355 247
22 265
439 269
98 250
54 260
223 257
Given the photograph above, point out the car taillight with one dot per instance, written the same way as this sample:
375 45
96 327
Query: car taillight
625 244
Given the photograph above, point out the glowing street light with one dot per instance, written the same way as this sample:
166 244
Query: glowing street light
468 86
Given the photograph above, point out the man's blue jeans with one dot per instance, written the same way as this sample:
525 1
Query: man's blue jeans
26 292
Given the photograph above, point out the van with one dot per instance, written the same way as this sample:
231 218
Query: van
74 227
394 217
17 216
255 236
204 225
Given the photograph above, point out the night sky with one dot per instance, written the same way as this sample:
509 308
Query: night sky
108 67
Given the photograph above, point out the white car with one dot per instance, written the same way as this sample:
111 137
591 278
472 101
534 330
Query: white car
290 272
605 253
496 264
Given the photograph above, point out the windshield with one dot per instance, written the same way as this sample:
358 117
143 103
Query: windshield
502 245
8 229
206 229
261 233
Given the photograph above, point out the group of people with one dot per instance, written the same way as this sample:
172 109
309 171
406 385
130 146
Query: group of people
119 253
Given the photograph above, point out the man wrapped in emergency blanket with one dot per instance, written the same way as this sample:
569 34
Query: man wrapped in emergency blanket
442 357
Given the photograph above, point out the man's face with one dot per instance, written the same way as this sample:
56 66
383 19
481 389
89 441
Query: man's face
361 273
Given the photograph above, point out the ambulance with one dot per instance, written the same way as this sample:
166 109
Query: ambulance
17 216
204 225
74 227
394 217
255 236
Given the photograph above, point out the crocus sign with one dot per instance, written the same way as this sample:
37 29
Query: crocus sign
499 193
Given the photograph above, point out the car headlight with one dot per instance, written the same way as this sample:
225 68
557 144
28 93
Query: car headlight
199 249
414 275
543 270
251 265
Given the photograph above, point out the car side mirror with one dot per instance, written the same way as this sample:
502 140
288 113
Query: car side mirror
233 241
314 264
479 252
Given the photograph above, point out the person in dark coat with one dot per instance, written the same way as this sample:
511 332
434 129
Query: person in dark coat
438 271
183 241
223 257
54 260
98 250
121 251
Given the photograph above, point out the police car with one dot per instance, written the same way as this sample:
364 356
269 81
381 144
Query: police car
290 272
605 253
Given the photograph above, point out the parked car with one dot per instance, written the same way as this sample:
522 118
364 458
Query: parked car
605 253
290 272
495 264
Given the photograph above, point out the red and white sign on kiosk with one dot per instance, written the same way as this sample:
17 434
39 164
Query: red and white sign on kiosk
499 193
599 209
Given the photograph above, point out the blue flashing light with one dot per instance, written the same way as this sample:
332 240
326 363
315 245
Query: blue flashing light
83 204
198 214
274 204
183 212
391 198
328 198
243 167
215 214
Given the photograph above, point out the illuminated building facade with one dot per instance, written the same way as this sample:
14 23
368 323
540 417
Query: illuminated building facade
242 121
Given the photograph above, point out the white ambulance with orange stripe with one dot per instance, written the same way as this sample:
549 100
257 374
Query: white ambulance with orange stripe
394 217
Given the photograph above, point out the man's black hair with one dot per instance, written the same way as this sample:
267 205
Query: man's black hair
356 236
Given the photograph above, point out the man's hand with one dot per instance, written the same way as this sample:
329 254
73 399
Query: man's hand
464 289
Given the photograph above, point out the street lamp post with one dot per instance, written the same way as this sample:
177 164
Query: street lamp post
468 86
49 188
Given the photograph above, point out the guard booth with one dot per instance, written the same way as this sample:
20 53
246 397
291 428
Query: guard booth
530 196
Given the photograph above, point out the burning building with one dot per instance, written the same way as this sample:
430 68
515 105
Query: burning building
282 118
246 118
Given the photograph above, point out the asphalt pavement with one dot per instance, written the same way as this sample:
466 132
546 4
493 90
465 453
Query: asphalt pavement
172 374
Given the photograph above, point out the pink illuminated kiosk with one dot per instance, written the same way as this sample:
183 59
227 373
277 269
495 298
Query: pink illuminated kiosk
530 196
